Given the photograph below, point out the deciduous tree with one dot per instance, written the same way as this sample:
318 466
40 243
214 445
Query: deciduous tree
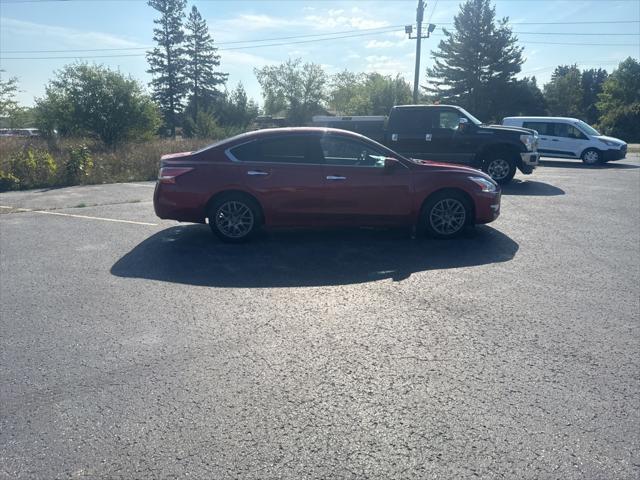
85 99
293 88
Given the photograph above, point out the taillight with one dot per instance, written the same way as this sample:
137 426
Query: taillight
169 174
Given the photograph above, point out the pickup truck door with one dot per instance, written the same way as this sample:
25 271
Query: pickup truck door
448 142
410 133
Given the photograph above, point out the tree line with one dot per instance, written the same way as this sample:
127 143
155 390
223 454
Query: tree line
474 66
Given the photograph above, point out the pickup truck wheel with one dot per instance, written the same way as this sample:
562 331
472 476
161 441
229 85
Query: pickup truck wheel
445 214
499 168
591 157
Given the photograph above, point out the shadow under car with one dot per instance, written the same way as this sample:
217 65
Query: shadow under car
190 254
531 188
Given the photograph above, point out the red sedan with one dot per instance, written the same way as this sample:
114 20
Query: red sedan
318 177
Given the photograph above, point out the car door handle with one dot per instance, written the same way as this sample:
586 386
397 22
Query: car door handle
543 138
555 140
257 173
334 177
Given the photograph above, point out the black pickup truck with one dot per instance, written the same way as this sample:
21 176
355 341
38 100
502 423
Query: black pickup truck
447 133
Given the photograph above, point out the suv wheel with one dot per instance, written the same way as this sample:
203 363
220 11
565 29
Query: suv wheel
591 157
500 168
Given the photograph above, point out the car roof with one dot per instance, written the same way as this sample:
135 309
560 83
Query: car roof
545 119
270 132
408 107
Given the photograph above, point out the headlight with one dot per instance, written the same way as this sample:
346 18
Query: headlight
484 184
528 141
609 143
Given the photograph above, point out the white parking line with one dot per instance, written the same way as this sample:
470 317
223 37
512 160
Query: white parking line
87 217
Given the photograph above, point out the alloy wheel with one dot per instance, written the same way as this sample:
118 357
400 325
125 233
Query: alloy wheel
448 216
498 169
234 219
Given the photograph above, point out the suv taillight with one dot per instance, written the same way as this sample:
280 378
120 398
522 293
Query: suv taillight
169 174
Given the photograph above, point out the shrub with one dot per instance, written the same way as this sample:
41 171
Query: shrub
8 181
34 168
78 166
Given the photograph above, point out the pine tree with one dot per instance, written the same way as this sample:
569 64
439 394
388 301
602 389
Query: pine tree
167 60
476 61
202 60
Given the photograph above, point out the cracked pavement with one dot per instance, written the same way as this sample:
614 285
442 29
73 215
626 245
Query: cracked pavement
150 350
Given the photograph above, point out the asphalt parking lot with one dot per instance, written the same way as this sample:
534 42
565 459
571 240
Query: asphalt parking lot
138 348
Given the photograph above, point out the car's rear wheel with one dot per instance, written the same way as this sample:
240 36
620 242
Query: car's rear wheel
446 214
234 218
591 157
501 168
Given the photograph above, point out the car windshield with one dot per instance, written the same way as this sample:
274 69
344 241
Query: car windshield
588 129
470 117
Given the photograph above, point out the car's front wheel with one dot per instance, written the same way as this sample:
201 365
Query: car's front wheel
446 214
500 168
234 218
592 157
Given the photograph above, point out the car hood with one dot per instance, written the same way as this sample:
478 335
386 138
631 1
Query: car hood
449 167
611 139
507 130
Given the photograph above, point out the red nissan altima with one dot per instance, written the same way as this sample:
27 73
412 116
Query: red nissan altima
318 177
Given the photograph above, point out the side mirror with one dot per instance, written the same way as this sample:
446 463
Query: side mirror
391 163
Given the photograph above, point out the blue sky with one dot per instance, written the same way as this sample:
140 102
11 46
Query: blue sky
28 25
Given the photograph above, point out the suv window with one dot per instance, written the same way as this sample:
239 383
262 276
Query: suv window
410 120
285 149
347 152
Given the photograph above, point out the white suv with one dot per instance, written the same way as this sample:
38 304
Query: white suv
571 138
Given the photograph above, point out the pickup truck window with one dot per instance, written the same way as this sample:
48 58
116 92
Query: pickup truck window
448 119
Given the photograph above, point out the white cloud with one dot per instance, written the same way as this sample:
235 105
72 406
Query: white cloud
387 65
380 44
252 22
356 19
68 36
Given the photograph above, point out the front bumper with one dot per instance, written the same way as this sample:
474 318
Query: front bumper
529 161
610 155
487 206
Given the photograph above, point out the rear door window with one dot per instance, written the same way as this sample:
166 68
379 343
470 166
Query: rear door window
298 149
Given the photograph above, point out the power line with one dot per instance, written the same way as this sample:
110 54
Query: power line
362 32
387 29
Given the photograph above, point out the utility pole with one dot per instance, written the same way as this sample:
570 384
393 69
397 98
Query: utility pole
409 29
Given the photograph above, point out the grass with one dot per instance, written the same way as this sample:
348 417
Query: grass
134 161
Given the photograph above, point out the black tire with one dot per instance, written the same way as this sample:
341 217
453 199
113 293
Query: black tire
500 167
438 205
592 157
234 217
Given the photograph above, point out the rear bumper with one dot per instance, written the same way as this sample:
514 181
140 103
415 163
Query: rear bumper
170 203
